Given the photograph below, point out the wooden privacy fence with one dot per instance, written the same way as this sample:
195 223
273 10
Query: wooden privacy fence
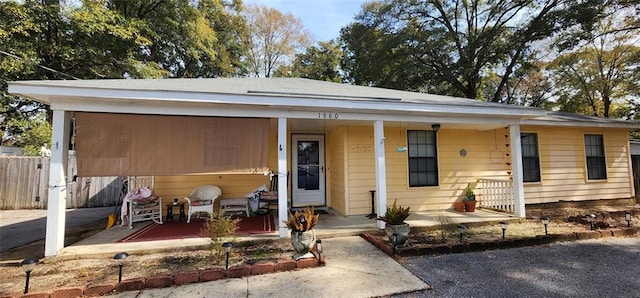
24 185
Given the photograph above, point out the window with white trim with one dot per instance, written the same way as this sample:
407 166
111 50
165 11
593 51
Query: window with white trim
594 151
423 158
530 158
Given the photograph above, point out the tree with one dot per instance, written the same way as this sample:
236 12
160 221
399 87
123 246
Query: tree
595 78
450 47
44 40
188 38
53 39
320 62
273 39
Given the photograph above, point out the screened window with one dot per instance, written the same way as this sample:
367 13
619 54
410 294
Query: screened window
423 165
530 158
594 150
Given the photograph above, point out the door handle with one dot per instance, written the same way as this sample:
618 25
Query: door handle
322 169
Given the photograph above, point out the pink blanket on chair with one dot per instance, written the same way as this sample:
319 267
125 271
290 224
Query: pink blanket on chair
136 194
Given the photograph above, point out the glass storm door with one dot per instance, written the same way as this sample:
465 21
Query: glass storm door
308 172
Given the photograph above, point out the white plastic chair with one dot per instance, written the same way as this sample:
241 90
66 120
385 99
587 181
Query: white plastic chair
202 199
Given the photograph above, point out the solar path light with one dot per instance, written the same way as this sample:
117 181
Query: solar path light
119 259
545 222
503 226
28 265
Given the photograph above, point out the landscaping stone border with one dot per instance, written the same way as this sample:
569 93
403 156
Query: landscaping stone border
180 278
471 246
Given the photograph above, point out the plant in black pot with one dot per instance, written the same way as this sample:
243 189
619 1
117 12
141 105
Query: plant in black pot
469 199
396 227
303 236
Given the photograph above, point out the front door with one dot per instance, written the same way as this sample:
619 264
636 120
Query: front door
308 185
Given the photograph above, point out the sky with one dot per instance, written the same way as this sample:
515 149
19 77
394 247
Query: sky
324 18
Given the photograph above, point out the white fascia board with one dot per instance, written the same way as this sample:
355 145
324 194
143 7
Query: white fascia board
212 110
533 122
47 94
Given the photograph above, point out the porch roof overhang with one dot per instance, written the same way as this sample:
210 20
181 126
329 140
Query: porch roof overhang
265 97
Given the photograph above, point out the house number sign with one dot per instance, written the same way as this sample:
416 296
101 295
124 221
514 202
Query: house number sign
328 116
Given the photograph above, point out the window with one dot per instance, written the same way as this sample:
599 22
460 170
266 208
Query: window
530 158
594 150
423 165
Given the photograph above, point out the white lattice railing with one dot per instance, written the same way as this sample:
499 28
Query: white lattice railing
496 194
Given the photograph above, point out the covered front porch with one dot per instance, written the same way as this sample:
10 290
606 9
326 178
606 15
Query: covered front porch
191 127
104 244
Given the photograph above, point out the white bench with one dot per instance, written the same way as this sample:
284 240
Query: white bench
234 205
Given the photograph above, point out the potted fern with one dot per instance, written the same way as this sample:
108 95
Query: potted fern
303 235
394 218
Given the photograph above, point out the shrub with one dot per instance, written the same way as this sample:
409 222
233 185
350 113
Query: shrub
219 229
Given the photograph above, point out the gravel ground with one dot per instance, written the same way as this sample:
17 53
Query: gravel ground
591 268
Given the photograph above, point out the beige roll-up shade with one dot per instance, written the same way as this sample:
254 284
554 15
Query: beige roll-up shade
132 144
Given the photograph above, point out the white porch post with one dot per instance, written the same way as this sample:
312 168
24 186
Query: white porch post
516 162
381 169
282 177
56 205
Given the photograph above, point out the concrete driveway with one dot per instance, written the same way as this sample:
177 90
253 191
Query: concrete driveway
592 268
19 227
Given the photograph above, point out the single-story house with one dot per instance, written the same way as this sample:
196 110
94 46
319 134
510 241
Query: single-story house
329 144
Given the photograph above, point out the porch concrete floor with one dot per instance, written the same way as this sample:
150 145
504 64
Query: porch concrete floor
103 244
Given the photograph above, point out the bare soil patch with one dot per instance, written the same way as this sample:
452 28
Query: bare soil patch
82 272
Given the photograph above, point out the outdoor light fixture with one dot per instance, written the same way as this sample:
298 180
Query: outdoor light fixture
227 249
627 217
591 218
435 127
28 265
395 242
461 228
119 258
503 225
545 222
319 250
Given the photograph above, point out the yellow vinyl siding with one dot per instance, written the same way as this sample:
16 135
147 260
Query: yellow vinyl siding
361 173
336 165
563 166
351 168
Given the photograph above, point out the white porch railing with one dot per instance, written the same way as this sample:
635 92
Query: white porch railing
496 194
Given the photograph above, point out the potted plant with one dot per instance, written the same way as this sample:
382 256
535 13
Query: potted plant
303 236
469 199
394 218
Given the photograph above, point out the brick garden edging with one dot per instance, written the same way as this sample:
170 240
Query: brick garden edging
470 246
180 278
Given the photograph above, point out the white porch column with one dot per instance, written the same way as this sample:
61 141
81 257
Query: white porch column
56 205
283 192
516 168
381 169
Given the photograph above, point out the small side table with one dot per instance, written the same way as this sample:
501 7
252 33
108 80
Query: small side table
234 205
170 207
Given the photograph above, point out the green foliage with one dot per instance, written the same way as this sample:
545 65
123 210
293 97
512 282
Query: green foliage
450 47
599 78
320 62
219 229
302 221
395 215
468 193
91 39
